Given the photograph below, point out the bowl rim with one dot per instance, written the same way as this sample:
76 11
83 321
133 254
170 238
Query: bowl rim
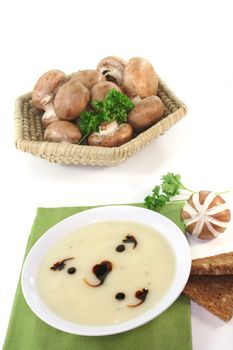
173 234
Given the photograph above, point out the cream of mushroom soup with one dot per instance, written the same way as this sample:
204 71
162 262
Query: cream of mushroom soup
105 273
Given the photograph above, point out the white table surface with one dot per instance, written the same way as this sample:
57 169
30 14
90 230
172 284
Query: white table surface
189 44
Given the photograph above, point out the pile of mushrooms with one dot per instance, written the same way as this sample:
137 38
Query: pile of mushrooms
63 99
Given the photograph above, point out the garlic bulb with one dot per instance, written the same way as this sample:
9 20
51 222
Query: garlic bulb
205 215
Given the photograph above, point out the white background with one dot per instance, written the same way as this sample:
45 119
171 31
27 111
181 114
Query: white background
190 45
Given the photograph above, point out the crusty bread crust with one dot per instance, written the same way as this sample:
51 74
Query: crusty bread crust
221 264
215 293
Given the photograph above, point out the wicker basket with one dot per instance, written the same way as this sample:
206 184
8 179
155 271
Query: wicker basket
29 135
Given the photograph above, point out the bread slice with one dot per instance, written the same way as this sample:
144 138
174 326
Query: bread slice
221 264
215 293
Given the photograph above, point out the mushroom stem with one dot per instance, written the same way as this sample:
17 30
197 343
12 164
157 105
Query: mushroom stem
47 98
108 128
114 76
136 99
49 111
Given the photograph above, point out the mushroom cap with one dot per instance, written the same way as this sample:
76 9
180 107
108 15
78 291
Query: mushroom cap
88 77
100 90
146 113
140 78
111 62
205 215
71 99
46 87
111 135
112 67
62 131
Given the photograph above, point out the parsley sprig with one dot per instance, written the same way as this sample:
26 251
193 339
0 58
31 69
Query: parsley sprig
114 107
171 186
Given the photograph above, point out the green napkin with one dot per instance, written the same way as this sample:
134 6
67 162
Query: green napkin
171 330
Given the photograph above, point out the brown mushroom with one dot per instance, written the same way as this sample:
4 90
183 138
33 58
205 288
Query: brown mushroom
112 67
140 78
146 113
71 99
44 92
62 131
111 135
88 77
99 91
205 215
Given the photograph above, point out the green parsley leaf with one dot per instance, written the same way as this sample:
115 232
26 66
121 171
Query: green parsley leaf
156 201
170 187
171 184
115 107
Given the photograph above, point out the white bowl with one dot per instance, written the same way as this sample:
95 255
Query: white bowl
166 227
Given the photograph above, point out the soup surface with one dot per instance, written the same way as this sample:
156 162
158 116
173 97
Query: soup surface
135 259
